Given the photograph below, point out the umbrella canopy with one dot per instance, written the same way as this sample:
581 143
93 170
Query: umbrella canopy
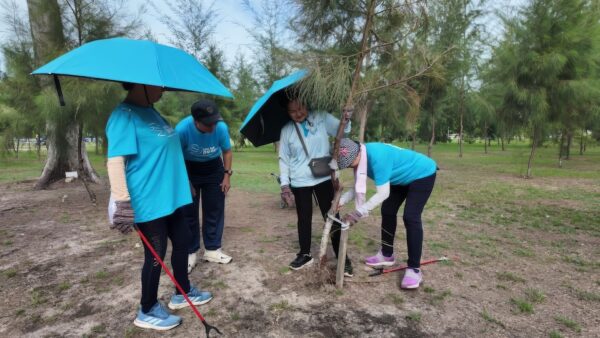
136 61
269 114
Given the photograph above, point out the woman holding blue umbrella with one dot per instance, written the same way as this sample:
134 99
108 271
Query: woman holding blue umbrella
145 165
149 182
303 138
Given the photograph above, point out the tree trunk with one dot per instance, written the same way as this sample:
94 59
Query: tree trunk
340 132
569 143
414 140
432 140
17 148
581 142
38 145
62 137
461 109
561 145
363 121
485 136
531 155
502 142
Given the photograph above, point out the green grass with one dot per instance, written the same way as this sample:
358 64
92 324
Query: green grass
10 273
102 274
489 318
439 297
523 306
37 298
414 317
64 286
555 334
587 295
534 295
396 298
280 306
509 277
571 324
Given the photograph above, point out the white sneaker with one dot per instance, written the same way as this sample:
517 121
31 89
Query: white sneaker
191 261
216 256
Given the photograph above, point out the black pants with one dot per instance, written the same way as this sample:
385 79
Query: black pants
304 210
206 177
156 231
416 195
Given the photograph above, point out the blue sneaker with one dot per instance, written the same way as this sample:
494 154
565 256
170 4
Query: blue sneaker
196 296
157 319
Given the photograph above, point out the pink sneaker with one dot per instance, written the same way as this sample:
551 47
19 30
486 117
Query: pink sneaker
380 260
412 279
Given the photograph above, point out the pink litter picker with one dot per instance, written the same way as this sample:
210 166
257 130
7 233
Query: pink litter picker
381 271
207 327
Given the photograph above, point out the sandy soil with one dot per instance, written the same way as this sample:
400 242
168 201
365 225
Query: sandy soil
65 273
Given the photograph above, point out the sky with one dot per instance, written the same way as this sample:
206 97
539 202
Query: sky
233 22
230 31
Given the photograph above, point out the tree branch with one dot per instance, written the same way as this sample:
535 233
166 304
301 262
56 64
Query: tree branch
406 79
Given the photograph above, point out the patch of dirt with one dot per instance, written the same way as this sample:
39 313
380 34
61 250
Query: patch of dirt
64 273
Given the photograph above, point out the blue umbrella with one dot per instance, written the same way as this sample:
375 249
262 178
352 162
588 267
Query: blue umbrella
269 114
135 61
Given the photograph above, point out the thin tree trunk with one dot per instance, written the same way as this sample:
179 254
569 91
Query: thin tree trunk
432 140
340 132
531 155
569 143
581 142
414 140
485 136
461 108
502 143
561 145
17 149
363 121
80 169
38 145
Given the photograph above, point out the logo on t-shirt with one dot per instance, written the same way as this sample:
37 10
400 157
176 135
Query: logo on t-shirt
162 129
197 150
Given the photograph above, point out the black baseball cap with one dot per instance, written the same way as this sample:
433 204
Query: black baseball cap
206 112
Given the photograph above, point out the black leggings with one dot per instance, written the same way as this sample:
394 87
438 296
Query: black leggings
156 231
416 195
304 210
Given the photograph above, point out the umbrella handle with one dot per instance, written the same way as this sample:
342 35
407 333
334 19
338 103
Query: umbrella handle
59 92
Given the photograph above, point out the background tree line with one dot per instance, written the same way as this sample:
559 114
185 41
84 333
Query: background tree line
431 71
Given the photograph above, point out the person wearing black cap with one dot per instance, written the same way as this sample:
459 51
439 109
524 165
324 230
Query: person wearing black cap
207 152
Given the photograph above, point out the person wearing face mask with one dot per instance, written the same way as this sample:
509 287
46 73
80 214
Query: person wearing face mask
149 185
208 157
297 181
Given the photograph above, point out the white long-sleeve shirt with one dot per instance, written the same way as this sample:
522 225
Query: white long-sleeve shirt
293 162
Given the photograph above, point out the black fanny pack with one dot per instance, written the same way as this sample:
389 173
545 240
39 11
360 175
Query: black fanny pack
319 167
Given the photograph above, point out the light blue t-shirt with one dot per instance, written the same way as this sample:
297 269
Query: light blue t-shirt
399 166
293 162
201 147
155 171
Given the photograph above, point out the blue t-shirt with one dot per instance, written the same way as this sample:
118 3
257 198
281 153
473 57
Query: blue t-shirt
202 147
399 166
155 171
